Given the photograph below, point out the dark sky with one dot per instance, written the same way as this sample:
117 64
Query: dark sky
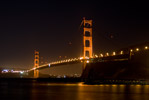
49 26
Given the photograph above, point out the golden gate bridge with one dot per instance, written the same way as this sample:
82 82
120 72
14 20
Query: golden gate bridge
88 56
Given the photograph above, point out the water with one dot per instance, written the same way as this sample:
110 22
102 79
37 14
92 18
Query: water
33 90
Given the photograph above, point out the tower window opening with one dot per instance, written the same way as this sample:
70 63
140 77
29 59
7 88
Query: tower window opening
87 53
87 33
87 43
87 25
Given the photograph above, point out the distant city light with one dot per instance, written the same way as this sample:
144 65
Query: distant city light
64 76
5 71
12 71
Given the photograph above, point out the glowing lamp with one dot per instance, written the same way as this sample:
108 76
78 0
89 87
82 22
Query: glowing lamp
137 49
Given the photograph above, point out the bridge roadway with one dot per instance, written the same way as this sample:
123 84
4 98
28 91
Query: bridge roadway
80 60
59 63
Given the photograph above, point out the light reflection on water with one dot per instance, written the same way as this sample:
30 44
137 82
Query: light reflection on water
71 91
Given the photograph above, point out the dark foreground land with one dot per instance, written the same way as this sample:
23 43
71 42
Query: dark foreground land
116 70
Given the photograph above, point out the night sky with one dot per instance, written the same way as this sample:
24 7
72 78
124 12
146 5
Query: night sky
53 28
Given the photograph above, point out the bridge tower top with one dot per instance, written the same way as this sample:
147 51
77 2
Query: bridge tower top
87 39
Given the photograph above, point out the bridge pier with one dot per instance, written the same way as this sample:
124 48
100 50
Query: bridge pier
83 66
36 73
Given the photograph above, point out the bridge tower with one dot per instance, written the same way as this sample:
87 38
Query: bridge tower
36 64
87 39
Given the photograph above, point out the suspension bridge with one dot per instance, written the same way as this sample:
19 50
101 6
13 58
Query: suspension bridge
88 56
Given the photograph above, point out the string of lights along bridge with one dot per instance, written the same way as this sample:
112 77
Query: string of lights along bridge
87 52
